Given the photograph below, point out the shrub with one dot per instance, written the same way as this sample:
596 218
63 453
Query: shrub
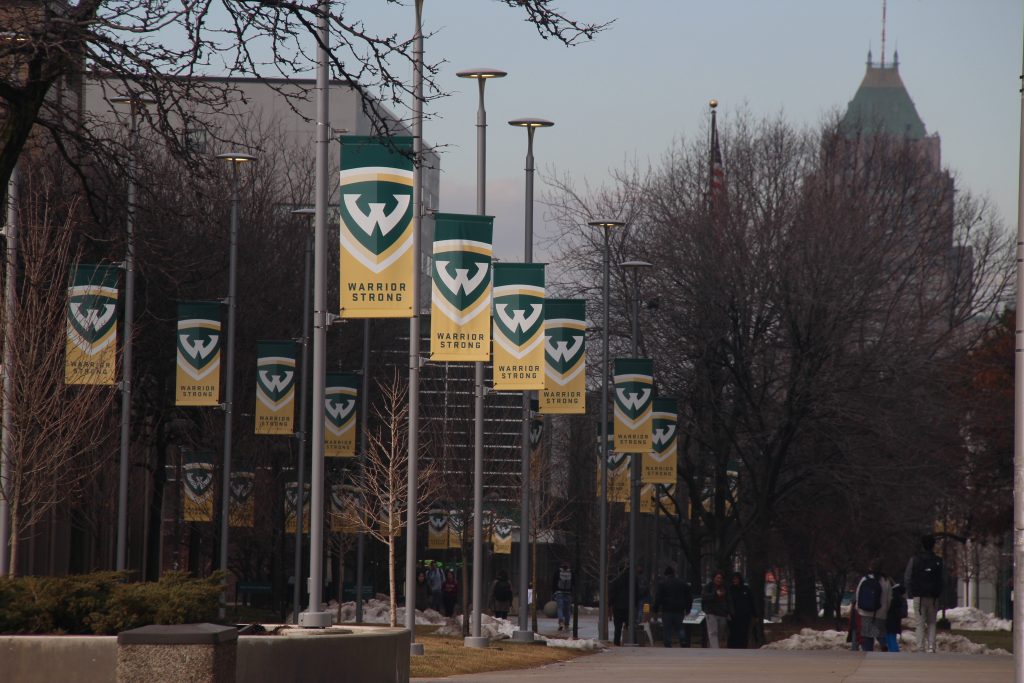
103 603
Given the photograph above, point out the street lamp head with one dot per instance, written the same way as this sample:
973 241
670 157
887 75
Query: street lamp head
531 123
481 73
236 157
606 224
635 265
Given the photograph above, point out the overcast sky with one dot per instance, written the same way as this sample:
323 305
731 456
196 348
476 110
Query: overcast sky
647 80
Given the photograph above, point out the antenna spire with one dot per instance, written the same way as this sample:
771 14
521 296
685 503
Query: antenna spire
882 64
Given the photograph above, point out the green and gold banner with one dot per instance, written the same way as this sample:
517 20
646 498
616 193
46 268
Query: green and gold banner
634 391
618 478
666 494
197 486
437 530
377 227
243 508
340 393
518 326
344 509
456 525
659 465
291 490
198 342
646 500
91 349
565 357
460 321
501 537
275 387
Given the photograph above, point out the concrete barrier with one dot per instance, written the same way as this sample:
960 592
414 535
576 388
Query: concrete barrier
353 654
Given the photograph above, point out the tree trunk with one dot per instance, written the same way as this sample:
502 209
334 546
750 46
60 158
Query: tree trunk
465 580
533 574
156 505
806 607
391 581
12 570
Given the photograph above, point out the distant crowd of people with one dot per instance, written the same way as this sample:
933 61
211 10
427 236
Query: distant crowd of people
729 607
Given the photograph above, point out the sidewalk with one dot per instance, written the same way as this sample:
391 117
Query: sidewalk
657 664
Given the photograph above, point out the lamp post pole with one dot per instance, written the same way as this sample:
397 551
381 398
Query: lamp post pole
524 633
475 639
235 159
1018 431
602 623
634 268
303 416
10 275
134 104
314 617
412 489
363 423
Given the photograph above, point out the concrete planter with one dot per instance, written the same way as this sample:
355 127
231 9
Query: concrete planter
354 654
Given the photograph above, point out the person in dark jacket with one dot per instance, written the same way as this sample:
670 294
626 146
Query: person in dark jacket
894 618
449 593
563 586
422 591
501 595
618 597
715 603
742 610
673 601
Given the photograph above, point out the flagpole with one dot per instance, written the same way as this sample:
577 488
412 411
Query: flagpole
1018 425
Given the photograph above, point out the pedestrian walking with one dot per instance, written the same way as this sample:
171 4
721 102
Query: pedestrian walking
925 580
874 593
422 595
435 579
715 603
449 593
563 587
742 610
673 602
894 619
618 597
501 595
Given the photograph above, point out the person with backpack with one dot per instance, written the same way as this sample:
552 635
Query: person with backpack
925 581
501 595
874 593
894 618
435 579
563 587
716 605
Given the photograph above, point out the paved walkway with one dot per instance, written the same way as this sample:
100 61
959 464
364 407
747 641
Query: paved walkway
655 664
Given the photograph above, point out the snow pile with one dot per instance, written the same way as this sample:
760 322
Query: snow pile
502 629
578 644
378 611
809 639
971 619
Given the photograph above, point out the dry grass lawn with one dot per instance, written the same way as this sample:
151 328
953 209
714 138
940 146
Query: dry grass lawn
446 656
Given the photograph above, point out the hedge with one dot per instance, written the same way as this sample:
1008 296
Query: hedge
104 603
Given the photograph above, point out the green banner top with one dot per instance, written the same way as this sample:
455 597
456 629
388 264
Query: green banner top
529 274
199 310
359 151
634 366
565 309
276 349
94 275
666 405
342 380
460 226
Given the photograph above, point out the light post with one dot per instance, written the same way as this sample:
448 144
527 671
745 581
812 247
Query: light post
314 616
135 103
236 159
634 268
1018 427
524 633
414 333
475 639
303 415
602 623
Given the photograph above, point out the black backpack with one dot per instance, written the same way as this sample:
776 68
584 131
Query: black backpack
869 595
926 576
503 591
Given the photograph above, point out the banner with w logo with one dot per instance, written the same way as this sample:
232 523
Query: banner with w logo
340 393
460 321
291 501
197 483
377 226
345 508
565 356
91 352
666 500
646 496
501 537
243 508
659 465
275 387
634 393
437 530
518 326
618 477
199 343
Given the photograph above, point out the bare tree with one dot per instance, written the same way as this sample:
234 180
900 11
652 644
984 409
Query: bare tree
381 481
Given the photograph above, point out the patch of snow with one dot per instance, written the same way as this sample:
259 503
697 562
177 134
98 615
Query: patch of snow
376 611
810 639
